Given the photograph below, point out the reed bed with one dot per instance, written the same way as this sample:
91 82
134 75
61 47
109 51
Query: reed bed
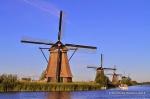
43 86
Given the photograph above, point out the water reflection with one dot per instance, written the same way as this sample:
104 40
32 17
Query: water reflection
134 92
58 95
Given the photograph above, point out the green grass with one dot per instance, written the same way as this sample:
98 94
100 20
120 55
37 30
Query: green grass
38 86
9 82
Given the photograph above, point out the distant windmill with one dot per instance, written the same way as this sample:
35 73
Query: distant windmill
58 68
115 77
100 70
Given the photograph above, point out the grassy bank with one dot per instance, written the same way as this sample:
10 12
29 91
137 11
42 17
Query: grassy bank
9 82
37 86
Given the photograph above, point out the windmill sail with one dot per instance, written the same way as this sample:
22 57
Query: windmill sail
60 26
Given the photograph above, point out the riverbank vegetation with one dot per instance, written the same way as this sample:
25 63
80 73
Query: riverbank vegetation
144 83
128 81
11 83
8 82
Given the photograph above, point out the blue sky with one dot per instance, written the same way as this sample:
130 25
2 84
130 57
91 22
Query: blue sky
119 28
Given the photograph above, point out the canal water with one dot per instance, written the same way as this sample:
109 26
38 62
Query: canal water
134 92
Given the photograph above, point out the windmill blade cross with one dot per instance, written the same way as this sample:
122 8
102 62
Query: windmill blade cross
101 60
92 67
80 46
115 74
60 26
109 68
36 42
43 48
109 74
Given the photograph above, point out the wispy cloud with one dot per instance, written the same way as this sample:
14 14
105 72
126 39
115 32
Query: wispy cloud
50 8
44 6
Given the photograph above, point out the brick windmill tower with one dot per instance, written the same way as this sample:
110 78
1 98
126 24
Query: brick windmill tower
58 68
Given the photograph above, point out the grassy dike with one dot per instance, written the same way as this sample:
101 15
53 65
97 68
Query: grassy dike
43 86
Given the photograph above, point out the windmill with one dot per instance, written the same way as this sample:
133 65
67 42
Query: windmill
58 68
115 77
100 70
